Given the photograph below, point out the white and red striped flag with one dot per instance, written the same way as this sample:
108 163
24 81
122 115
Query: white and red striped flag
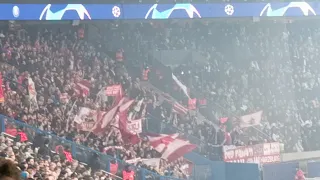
160 141
170 146
107 119
127 136
82 88
178 108
177 149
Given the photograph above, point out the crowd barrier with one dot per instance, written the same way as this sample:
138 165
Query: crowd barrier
79 152
204 169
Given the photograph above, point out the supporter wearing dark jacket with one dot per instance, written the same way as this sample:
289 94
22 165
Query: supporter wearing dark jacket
44 149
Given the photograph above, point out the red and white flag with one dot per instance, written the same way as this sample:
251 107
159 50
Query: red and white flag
87 118
127 136
107 119
64 97
170 146
178 108
135 126
160 141
251 119
113 90
82 88
177 149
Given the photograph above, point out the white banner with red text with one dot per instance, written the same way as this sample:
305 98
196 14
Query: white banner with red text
260 153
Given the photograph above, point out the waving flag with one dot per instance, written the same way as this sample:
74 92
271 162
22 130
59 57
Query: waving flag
110 114
127 136
160 141
114 91
182 86
135 126
180 109
251 119
87 118
170 146
177 149
82 88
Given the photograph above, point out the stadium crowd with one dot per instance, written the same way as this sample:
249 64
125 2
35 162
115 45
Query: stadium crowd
248 67
52 59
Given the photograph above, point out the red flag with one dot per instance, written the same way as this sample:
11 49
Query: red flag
1 90
82 88
125 106
223 120
127 136
114 90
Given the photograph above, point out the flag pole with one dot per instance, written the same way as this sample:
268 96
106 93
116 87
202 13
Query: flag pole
238 118
68 113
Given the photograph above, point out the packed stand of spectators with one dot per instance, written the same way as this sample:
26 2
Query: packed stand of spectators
53 56
250 66
23 160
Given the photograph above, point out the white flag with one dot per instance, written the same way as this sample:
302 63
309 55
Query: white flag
251 119
182 86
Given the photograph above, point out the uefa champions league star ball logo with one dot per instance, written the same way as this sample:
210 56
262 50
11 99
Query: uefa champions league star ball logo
116 11
229 9
305 9
154 13
15 11
47 14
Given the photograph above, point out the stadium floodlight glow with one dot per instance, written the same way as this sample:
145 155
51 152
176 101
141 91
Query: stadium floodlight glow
47 14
